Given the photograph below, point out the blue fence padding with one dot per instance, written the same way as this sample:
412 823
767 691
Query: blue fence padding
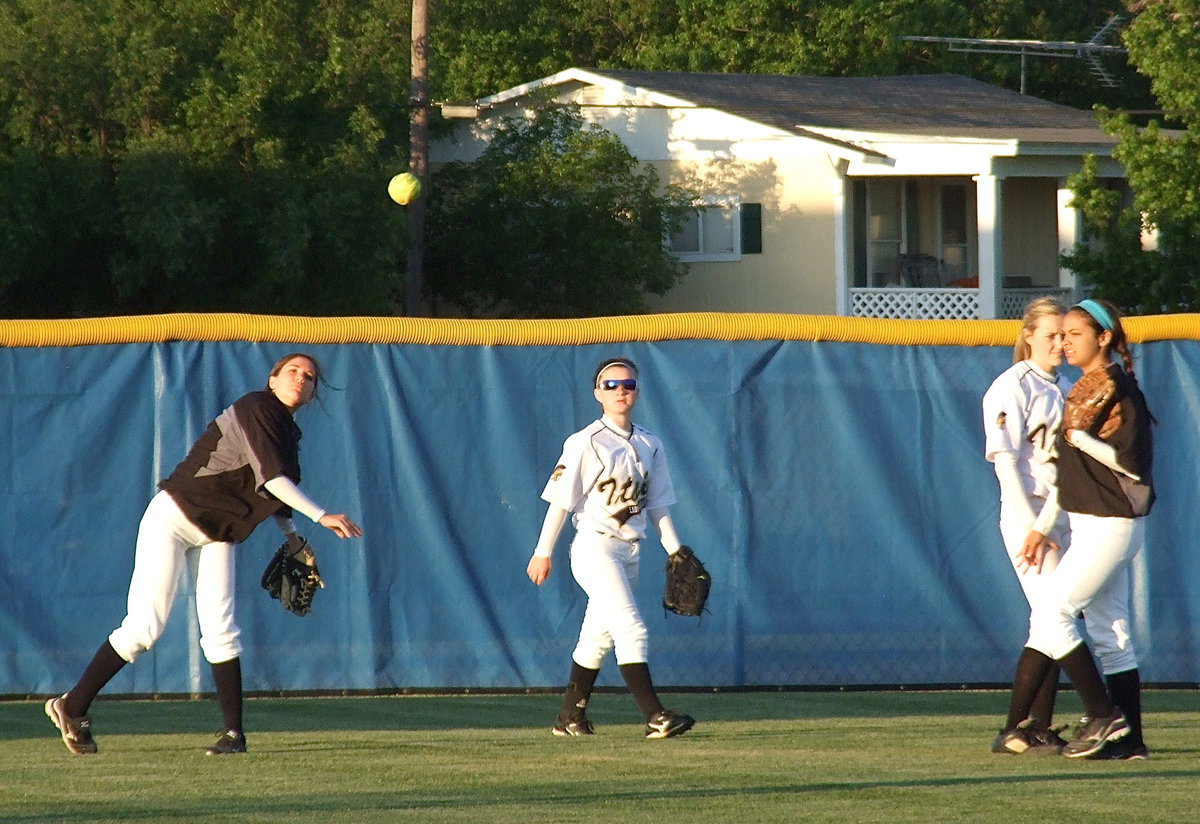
837 492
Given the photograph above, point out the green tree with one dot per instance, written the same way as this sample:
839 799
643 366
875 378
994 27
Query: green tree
204 155
554 219
1163 170
481 48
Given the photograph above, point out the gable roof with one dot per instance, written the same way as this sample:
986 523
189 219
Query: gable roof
947 104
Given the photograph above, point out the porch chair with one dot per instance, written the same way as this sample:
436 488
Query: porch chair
918 270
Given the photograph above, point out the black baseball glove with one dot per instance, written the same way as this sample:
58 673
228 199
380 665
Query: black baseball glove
688 583
292 575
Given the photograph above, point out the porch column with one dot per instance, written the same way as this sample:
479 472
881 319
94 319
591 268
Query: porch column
843 278
1070 232
987 214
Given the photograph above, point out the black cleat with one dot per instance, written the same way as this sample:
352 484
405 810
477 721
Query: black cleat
1094 733
76 732
228 742
1048 738
668 724
573 726
1012 742
1027 739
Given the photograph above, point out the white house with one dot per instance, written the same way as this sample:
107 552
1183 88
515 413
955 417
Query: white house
927 196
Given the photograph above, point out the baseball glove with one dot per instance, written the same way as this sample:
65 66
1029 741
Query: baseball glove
292 575
1092 405
688 583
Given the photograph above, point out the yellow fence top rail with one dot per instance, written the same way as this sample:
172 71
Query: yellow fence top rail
570 331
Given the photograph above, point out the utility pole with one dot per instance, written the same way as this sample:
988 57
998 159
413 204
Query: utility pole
418 156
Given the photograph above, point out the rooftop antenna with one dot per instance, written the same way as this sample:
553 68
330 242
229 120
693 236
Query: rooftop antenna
1089 51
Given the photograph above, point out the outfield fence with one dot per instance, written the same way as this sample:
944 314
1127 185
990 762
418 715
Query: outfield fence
829 471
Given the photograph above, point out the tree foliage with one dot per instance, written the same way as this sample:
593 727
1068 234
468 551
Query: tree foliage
1163 170
555 219
211 155
481 48
203 155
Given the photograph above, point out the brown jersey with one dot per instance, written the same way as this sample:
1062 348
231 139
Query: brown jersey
219 486
1089 487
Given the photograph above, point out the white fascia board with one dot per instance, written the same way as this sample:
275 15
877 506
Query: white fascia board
940 155
931 159
558 79
620 92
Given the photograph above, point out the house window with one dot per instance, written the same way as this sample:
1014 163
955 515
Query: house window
904 222
955 260
713 232
885 229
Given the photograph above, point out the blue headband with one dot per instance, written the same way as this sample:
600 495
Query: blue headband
1098 312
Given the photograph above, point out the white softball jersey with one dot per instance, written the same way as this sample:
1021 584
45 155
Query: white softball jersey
1022 412
608 478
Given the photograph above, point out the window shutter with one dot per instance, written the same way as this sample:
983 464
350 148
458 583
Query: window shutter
751 228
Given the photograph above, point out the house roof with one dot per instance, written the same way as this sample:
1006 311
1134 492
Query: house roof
948 105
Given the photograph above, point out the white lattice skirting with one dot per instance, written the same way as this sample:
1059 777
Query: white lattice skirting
1013 300
939 304
914 304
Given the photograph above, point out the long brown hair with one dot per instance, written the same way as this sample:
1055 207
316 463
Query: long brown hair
279 364
1117 342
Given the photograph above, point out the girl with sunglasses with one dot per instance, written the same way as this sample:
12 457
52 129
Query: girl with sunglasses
1104 459
611 479
244 468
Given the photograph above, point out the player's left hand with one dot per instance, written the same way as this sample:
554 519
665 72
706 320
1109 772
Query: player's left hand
340 525
539 569
1033 552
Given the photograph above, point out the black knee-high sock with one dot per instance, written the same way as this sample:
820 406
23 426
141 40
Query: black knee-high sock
637 678
578 691
1032 667
104 665
1125 688
1081 669
228 677
1042 710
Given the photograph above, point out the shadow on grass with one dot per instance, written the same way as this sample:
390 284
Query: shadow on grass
575 795
23 719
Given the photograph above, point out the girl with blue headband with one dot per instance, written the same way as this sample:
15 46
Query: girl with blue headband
1105 452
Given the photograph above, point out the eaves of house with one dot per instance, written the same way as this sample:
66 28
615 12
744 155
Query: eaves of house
867 116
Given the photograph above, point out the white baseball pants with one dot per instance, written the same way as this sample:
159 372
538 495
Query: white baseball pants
167 541
1093 577
607 569
1013 530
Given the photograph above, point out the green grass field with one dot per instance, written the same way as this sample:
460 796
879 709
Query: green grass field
753 757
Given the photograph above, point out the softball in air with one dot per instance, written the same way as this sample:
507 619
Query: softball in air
404 188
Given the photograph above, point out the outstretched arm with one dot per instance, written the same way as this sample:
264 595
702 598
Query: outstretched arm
283 488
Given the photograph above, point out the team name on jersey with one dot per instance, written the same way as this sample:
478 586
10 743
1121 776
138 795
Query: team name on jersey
629 492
